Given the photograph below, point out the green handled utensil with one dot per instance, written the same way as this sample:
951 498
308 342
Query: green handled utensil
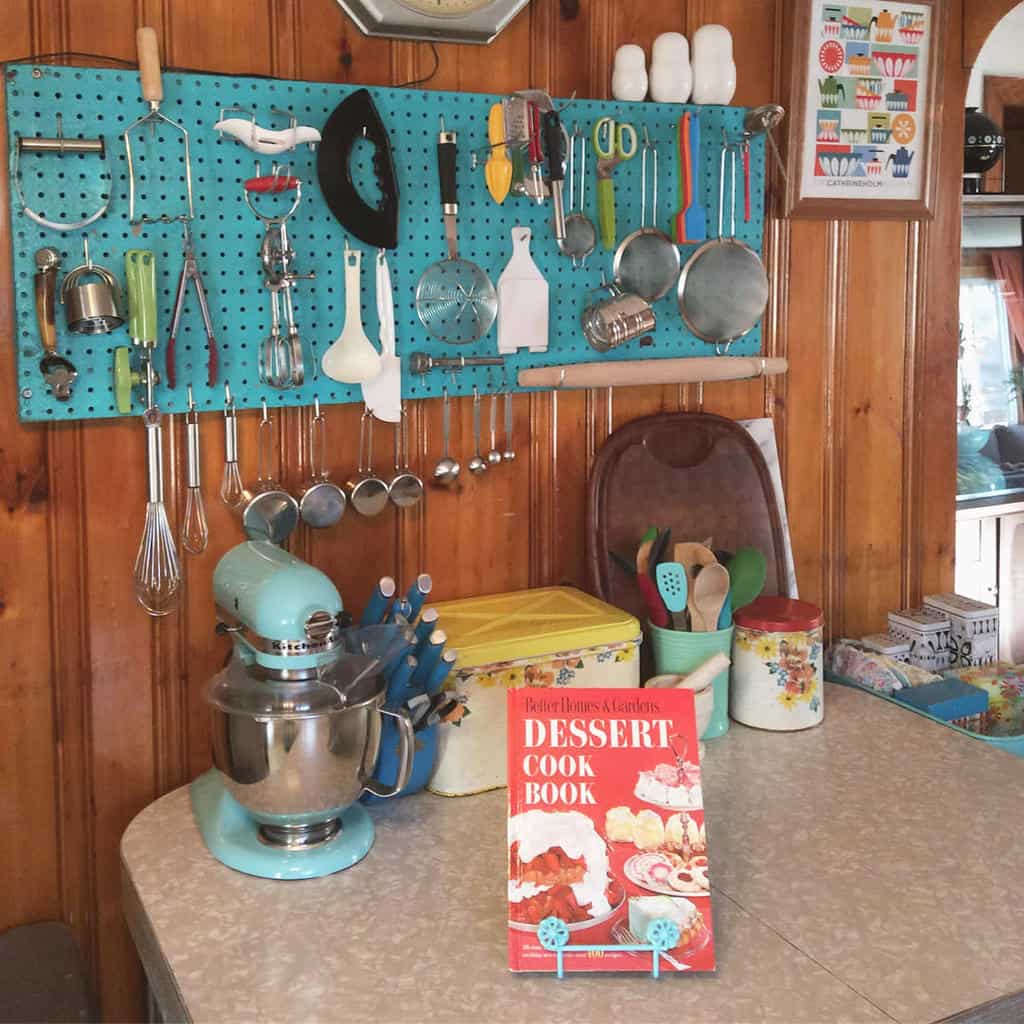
747 574
672 586
140 276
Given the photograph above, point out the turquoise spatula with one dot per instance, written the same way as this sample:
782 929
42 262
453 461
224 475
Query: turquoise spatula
671 578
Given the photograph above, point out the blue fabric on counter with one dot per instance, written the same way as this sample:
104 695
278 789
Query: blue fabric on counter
949 698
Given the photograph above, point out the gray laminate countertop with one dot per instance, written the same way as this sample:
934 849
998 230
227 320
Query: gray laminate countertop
865 870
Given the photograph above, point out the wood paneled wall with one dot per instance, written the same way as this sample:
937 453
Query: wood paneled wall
101 704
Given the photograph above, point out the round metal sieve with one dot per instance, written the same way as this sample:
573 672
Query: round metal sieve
647 262
456 301
723 289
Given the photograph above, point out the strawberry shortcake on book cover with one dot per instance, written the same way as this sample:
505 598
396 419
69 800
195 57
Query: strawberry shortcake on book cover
606 828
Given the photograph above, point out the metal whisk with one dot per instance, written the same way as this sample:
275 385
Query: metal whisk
157 576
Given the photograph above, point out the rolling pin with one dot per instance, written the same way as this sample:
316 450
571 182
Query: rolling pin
690 370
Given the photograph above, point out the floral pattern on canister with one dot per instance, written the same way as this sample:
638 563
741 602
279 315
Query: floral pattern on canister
792 660
561 671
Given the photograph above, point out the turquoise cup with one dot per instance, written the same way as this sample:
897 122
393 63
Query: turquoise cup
678 652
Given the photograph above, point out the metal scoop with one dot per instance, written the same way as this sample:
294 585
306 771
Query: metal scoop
58 372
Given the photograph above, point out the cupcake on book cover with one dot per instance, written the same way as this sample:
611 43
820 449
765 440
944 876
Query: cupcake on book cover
606 827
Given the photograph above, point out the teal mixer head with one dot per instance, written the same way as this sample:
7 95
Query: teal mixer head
280 612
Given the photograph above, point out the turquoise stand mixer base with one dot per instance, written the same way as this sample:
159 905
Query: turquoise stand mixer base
232 836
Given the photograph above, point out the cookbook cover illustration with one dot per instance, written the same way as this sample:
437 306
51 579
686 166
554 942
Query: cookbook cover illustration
866 93
606 826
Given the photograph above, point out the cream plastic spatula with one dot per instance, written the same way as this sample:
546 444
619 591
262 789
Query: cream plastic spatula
522 300
352 359
383 394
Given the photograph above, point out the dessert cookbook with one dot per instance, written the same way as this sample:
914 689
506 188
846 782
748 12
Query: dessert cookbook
606 827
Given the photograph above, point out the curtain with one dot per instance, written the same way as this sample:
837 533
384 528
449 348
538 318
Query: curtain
1009 269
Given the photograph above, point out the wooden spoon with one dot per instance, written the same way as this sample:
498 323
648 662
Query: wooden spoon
693 557
711 588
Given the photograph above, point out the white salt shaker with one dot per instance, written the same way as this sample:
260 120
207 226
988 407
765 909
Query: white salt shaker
714 72
629 74
671 77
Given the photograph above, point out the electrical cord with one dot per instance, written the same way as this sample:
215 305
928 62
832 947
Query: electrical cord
428 77
36 58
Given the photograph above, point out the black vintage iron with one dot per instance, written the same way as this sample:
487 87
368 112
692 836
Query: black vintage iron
356 118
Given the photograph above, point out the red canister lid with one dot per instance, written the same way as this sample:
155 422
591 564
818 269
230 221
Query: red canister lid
779 615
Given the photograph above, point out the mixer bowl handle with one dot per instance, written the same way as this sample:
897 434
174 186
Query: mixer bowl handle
406 749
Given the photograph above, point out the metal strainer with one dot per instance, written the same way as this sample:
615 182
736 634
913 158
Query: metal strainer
647 261
455 299
580 233
723 288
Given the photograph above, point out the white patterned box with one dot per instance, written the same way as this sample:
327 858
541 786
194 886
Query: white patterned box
928 633
974 637
889 644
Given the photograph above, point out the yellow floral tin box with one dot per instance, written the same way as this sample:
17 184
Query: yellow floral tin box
554 636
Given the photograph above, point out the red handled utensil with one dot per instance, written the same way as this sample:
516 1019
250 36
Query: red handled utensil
746 181
656 610
272 183
690 226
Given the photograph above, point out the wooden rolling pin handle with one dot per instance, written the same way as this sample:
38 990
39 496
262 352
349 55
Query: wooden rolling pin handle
149 65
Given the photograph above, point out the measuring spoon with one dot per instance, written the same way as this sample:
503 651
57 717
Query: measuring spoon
477 464
447 470
494 455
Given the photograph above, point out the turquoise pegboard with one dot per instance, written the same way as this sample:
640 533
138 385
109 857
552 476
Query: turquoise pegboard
227 235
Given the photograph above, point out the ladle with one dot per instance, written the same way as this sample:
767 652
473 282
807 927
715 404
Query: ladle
352 359
477 464
447 470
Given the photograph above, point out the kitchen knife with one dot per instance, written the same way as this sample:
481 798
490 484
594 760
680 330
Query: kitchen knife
427 625
418 593
442 670
399 681
429 657
375 608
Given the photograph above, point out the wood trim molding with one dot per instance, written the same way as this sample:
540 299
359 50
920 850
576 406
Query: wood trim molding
910 570
1000 92
980 17
834 448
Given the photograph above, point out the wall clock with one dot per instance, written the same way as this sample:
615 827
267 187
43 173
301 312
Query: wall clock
439 21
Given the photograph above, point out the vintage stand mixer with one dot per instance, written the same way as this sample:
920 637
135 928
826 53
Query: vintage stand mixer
297 716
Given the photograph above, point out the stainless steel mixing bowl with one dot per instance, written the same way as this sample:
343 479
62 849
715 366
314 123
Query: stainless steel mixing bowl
297 765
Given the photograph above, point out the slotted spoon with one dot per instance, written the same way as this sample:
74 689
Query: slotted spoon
673 588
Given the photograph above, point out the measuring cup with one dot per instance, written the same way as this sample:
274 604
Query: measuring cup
271 513
323 502
368 493
406 487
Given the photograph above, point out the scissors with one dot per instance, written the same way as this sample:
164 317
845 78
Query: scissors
614 142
